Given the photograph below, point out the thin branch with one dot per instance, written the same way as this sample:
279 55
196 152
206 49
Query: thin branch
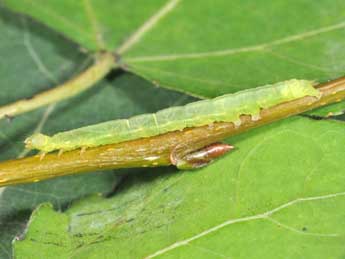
104 63
155 151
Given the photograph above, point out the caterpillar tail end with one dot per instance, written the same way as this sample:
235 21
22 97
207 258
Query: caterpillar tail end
37 141
201 157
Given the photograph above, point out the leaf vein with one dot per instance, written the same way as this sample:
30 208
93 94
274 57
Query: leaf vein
278 223
147 26
227 52
264 215
89 10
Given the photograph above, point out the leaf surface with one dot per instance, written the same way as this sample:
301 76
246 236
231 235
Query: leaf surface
206 49
289 202
36 59
95 25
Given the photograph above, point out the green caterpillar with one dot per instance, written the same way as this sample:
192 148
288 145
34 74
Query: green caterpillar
226 108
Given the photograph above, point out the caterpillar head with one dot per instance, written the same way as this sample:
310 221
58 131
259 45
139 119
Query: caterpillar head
37 141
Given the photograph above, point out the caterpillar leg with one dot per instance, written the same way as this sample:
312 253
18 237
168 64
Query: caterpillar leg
201 157
82 150
42 155
60 152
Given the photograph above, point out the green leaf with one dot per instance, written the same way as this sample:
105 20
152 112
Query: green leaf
207 48
95 25
280 193
36 59
211 48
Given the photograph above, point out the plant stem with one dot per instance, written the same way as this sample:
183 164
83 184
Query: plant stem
104 63
155 151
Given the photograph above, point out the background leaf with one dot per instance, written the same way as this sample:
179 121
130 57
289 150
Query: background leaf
95 25
207 48
280 193
212 48
36 59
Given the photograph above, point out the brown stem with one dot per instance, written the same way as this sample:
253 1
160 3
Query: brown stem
155 151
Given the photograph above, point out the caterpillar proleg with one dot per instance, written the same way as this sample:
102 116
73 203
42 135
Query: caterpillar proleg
226 108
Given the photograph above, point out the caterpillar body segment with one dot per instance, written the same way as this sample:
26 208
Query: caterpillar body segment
226 108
